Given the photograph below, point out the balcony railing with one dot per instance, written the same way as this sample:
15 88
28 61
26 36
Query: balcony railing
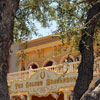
61 68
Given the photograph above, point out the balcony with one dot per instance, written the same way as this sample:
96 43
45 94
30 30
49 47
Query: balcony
60 69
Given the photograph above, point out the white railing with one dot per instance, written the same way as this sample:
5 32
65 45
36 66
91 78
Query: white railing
17 75
61 68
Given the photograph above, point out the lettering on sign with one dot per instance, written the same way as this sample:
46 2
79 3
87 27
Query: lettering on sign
43 83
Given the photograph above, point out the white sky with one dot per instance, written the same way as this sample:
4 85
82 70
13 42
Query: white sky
45 31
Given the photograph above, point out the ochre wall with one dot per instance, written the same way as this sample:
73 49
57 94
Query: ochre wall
13 58
43 50
55 53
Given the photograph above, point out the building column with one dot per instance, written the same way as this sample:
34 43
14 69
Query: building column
67 94
29 97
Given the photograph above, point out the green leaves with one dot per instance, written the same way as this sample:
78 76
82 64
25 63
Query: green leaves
69 15
31 11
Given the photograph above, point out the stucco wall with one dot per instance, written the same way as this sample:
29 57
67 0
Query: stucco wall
55 53
13 58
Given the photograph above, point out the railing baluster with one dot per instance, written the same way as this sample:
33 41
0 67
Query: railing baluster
61 68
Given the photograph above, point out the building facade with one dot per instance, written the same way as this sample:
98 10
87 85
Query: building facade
47 70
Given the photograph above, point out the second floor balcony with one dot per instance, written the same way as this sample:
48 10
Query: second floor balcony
65 68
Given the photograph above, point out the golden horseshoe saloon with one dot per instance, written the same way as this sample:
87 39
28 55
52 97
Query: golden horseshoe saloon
46 69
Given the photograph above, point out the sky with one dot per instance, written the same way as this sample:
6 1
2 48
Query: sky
44 31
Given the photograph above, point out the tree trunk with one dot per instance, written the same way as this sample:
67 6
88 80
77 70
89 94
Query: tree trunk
93 93
7 14
85 69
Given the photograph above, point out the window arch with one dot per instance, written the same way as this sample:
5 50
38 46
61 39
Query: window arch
76 59
67 59
49 62
33 65
23 69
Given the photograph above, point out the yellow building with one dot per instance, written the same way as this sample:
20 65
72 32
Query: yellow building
47 70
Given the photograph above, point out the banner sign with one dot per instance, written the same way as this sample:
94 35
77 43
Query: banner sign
43 83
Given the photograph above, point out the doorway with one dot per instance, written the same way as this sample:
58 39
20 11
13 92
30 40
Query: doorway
49 97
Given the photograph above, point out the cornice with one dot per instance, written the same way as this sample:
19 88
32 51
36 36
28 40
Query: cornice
40 47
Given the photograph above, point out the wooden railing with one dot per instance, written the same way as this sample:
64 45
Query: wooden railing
61 68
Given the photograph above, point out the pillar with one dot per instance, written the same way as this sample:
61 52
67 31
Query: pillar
67 94
29 97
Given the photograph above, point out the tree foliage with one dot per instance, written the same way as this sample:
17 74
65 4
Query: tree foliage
70 16
74 19
30 12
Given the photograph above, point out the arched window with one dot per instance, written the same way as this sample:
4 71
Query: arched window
50 63
33 66
23 69
69 60
76 59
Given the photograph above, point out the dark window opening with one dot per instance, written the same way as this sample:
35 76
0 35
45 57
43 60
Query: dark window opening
34 66
50 63
23 69
68 60
76 59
